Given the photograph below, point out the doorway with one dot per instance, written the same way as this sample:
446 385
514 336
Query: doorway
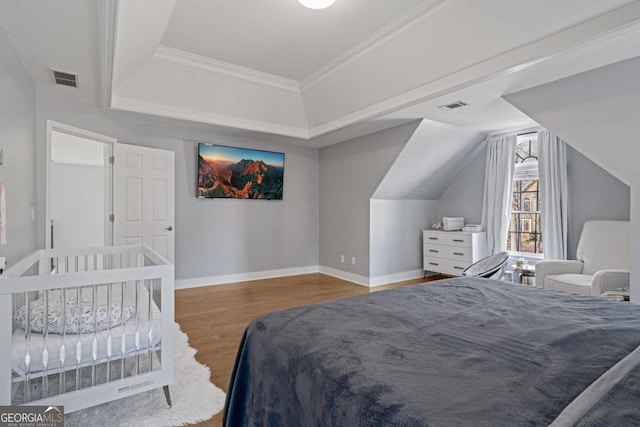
100 193
79 196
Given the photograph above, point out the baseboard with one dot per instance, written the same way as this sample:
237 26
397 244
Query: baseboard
393 278
345 275
197 282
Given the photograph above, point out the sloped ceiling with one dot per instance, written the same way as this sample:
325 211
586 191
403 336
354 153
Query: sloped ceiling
608 99
428 162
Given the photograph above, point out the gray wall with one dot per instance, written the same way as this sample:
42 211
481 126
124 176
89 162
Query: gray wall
349 174
396 234
17 140
464 195
214 237
593 194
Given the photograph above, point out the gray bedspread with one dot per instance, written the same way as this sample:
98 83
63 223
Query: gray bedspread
458 352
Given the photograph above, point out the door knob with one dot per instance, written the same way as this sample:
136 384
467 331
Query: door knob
169 228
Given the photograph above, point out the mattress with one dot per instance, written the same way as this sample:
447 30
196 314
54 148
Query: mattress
143 323
464 351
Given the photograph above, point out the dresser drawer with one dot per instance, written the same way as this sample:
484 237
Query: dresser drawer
435 238
457 253
435 264
446 266
438 251
459 240
456 268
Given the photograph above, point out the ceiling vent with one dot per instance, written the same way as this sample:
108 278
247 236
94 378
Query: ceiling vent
65 79
453 106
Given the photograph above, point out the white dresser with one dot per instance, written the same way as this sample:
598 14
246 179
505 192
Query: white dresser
450 252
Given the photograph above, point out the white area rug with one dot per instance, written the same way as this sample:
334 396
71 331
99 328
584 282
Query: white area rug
193 396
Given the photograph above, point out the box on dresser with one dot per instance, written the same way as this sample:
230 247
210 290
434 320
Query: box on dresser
450 252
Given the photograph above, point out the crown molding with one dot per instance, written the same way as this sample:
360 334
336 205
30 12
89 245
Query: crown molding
595 30
389 31
220 67
107 41
163 110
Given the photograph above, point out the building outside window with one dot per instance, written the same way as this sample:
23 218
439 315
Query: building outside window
524 229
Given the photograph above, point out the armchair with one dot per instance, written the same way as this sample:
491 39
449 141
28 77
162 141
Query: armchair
603 261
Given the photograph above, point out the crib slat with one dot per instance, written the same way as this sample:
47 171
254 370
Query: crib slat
94 343
27 351
123 337
109 289
78 340
45 350
63 350
149 325
137 342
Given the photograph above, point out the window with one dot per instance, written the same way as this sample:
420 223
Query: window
524 229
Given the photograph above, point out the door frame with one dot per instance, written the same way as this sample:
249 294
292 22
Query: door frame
86 134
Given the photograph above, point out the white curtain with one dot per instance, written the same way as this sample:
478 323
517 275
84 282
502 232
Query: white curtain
552 164
498 181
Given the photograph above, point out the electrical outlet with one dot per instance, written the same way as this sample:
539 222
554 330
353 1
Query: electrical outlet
353 260
341 258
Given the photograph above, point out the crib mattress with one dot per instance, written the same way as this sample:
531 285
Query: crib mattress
36 345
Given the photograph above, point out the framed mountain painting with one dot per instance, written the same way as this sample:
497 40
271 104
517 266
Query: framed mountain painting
239 173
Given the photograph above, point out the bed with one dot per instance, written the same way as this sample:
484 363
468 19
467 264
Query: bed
86 326
464 351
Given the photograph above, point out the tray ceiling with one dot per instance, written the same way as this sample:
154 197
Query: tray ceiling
318 77
279 37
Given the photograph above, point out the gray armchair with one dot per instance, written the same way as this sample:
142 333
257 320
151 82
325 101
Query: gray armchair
603 261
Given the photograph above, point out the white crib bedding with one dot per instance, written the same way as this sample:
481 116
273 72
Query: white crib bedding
141 322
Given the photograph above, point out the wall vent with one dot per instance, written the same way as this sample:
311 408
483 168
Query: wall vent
453 105
65 79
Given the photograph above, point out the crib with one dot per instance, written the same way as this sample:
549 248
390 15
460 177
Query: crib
86 326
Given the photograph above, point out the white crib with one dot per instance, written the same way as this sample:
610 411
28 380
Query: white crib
86 326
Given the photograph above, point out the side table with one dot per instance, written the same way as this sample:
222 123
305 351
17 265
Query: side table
525 273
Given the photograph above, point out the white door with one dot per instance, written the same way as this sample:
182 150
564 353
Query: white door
143 198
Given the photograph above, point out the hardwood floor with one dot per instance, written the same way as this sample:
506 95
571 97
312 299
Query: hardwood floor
215 317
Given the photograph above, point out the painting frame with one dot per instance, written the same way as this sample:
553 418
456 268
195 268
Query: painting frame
227 172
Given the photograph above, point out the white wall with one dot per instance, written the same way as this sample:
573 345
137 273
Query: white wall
396 238
597 113
216 239
77 205
17 140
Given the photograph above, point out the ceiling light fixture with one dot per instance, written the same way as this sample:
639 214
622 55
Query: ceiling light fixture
316 4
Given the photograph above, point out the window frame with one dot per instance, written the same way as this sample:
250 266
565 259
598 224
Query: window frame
525 171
